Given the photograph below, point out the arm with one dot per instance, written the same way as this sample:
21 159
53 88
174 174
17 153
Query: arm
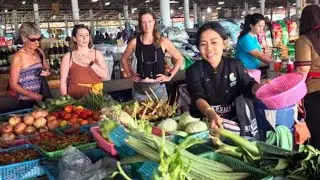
64 71
259 55
125 57
100 68
178 59
248 85
15 67
303 56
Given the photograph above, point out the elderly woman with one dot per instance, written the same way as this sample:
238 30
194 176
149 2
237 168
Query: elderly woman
82 70
215 82
27 67
308 61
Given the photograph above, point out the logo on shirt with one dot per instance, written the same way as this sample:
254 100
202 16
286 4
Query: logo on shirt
233 79
222 109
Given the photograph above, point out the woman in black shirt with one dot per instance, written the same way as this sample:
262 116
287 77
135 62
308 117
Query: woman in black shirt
150 50
215 82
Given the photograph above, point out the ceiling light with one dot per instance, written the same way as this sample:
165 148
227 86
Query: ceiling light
134 9
94 0
253 8
180 8
6 10
221 2
294 4
203 17
209 10
171 11
218 8
23 2
107 3
280 7
147 1
173 2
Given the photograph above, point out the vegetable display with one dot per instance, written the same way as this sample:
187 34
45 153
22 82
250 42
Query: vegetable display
18 156
55 104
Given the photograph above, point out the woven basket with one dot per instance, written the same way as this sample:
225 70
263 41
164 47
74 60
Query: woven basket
283 91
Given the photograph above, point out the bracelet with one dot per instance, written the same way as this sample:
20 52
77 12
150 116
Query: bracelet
208 109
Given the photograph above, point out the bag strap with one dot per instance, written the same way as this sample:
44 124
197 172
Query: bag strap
40 55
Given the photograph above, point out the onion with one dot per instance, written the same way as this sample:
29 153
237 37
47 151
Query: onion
44 113
30 130
40 122
28 120
53 124
14 120
8 136
37 114
19 129
43 129
6 128
51 117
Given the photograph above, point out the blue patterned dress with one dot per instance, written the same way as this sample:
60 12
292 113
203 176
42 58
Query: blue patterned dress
29 80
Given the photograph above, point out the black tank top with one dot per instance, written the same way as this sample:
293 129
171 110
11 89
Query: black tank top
150 60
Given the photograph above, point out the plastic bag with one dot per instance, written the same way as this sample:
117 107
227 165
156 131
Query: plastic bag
74 165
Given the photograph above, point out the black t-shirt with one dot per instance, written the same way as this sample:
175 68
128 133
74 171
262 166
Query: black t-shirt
219 87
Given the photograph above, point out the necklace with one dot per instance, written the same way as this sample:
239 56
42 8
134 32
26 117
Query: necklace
29 53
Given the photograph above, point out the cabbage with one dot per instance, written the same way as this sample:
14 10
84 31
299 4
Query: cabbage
196 127
186 119
169 125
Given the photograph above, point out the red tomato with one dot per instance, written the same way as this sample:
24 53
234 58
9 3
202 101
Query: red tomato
68 108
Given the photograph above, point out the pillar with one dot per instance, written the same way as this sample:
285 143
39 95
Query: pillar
75 11
262 6
165 12
288 10
195 11
246 7
36 13
298 9
15 23
66 24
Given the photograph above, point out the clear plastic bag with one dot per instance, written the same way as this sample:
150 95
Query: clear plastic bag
74 165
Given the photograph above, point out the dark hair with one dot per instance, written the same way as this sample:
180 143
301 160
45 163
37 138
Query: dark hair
75 31
211 26
155 33
310 25
250 19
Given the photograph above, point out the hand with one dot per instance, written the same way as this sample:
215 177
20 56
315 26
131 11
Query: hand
300 107
45 73
163 78
37 97
215 121
135 77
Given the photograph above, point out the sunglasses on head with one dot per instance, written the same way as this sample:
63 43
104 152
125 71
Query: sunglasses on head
34 39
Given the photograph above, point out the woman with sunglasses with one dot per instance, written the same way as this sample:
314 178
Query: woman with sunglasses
83 69
150 50
27 67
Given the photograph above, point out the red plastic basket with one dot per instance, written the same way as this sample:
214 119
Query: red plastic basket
283 91
102 143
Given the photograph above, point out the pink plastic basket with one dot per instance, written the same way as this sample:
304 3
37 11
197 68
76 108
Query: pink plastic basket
102 143
255 74
283 91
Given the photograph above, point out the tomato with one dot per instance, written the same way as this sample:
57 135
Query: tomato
79 107
75 115
84 122
68 108
55 114
90 119
73 120
90 113
84 114
66 116
96 116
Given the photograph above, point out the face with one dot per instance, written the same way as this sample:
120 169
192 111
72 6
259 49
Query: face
211 45
82 37
32 41
258 28
147 23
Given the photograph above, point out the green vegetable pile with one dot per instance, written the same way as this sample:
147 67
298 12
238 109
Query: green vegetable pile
53 104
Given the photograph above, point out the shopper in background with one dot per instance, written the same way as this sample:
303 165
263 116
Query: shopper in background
307 61
26 67
215 82
83 69
150 48
248 49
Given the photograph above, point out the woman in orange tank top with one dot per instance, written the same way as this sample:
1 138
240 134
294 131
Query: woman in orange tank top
83 69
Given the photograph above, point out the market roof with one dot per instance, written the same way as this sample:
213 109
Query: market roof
101 10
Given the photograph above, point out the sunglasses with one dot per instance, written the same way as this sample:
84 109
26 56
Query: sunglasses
35 39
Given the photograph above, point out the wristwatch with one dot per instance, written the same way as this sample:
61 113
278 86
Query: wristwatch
91 63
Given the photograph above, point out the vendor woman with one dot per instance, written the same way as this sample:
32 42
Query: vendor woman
215 82
150 48
248 49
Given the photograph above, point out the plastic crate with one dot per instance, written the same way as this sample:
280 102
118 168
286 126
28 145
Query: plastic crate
94 155
103 143
118 137
22 170
4 116
147 169
58 154
201 135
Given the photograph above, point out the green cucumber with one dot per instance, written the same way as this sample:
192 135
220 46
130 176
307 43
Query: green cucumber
63 98
42 105
49 100
68 97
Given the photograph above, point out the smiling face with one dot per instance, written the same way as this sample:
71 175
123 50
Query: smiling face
211 46
147 23
32 41
82 37
258 28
